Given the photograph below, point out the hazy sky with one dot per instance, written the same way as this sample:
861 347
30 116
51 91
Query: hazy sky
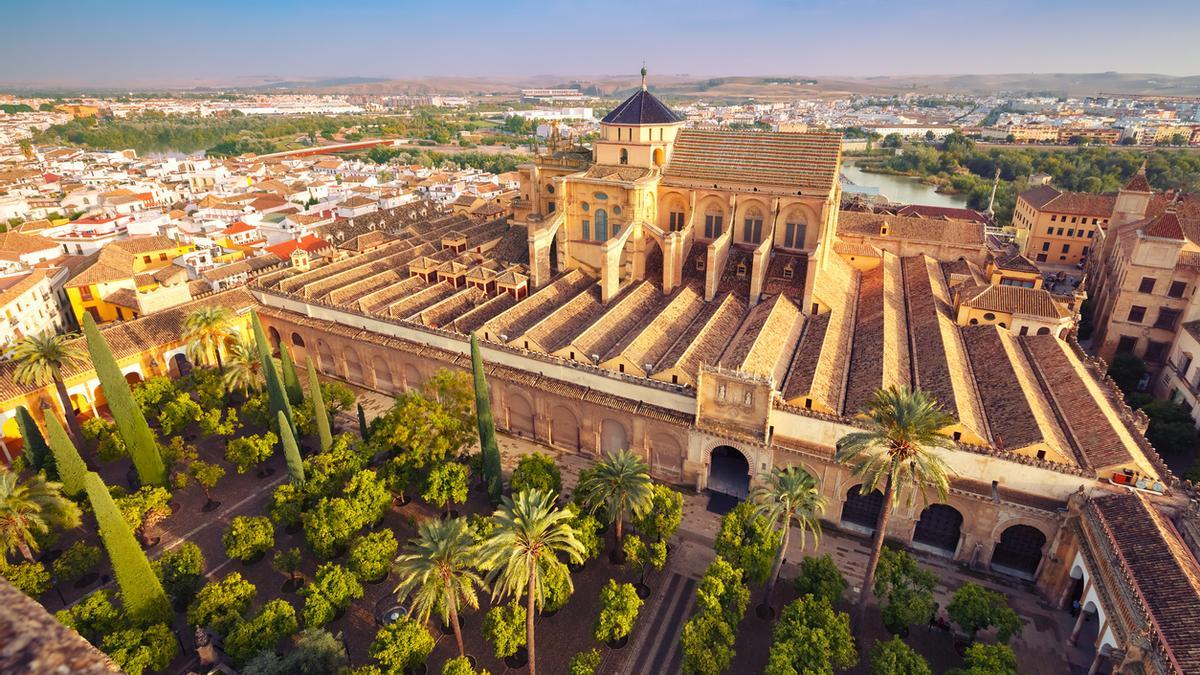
215 41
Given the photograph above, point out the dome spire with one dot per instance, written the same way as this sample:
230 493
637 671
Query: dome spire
643 75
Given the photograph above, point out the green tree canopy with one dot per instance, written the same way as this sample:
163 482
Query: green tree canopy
748 541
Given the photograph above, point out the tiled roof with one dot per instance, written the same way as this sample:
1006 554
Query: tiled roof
960 232
18 243
643 108
949 212
804 162
1012 299
1009 416
1047 198
1160 569
1165 225
1138 182
1015 262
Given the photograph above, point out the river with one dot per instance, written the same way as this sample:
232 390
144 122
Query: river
902 189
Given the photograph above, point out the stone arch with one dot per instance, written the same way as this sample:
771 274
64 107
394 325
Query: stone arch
274 339
659 156
666 453
520 413
672 203
383 374
613 437
1019 549
354 369
803 231
133 377
297 341
862 510
179 365
729 471
564 429
753 224
939 529
79 401
325 361
712 217
412 377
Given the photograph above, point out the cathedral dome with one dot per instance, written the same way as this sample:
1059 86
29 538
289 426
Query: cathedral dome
642 109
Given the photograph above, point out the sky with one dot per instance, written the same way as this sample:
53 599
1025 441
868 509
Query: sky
208 42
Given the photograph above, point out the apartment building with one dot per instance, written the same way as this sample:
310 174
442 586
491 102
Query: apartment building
1060 228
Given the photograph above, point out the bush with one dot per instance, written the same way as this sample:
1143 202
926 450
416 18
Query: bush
248 537
894 657
103 435
975 608
664 515
401 645
619 606
329 525
248 452
584 663
316 652
220 605
447 484
371 555
31 578
332 590
76 561
288 561
181 571
985 659
370 497
905 588
275 621
460 665
748 541
536 472
708 637
287 504
811 637
556 585
587 529
93 617
504 627
138 650
821 577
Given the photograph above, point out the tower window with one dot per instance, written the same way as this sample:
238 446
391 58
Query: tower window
624 156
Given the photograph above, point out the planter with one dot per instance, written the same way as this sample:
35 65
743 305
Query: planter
617 556
254 559
619 643
417 670
765 612
403 500
643 591
447 629
374 582
291 585
518 660
210 506
575 568
151 543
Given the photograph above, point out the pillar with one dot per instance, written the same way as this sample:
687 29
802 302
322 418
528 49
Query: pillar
1079 621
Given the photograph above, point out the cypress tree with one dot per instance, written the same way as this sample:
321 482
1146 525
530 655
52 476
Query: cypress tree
139 440
487 426
71 469
362 424
319 411
291 383
142 593
291 452
275 392
37 453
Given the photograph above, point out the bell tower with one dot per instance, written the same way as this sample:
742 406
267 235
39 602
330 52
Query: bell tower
639 132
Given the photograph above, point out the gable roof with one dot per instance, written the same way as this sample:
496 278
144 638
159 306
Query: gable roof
643 108
1048 198
808 162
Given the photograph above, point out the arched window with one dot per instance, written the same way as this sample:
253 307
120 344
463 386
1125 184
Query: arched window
794 232
624 156
714 221
658 152
601 225
752 226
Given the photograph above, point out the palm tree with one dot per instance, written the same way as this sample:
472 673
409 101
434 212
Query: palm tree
41 359
896 451
437 568
244 370
529 530
29 508
621 484
205 330
789 496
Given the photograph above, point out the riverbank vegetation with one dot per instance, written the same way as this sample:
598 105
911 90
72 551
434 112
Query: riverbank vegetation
956 165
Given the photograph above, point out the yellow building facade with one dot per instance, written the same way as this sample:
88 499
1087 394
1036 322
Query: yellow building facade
108 288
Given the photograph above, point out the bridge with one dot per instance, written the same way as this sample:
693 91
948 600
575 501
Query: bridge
332 149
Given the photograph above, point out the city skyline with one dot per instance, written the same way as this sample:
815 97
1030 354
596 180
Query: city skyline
154 45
